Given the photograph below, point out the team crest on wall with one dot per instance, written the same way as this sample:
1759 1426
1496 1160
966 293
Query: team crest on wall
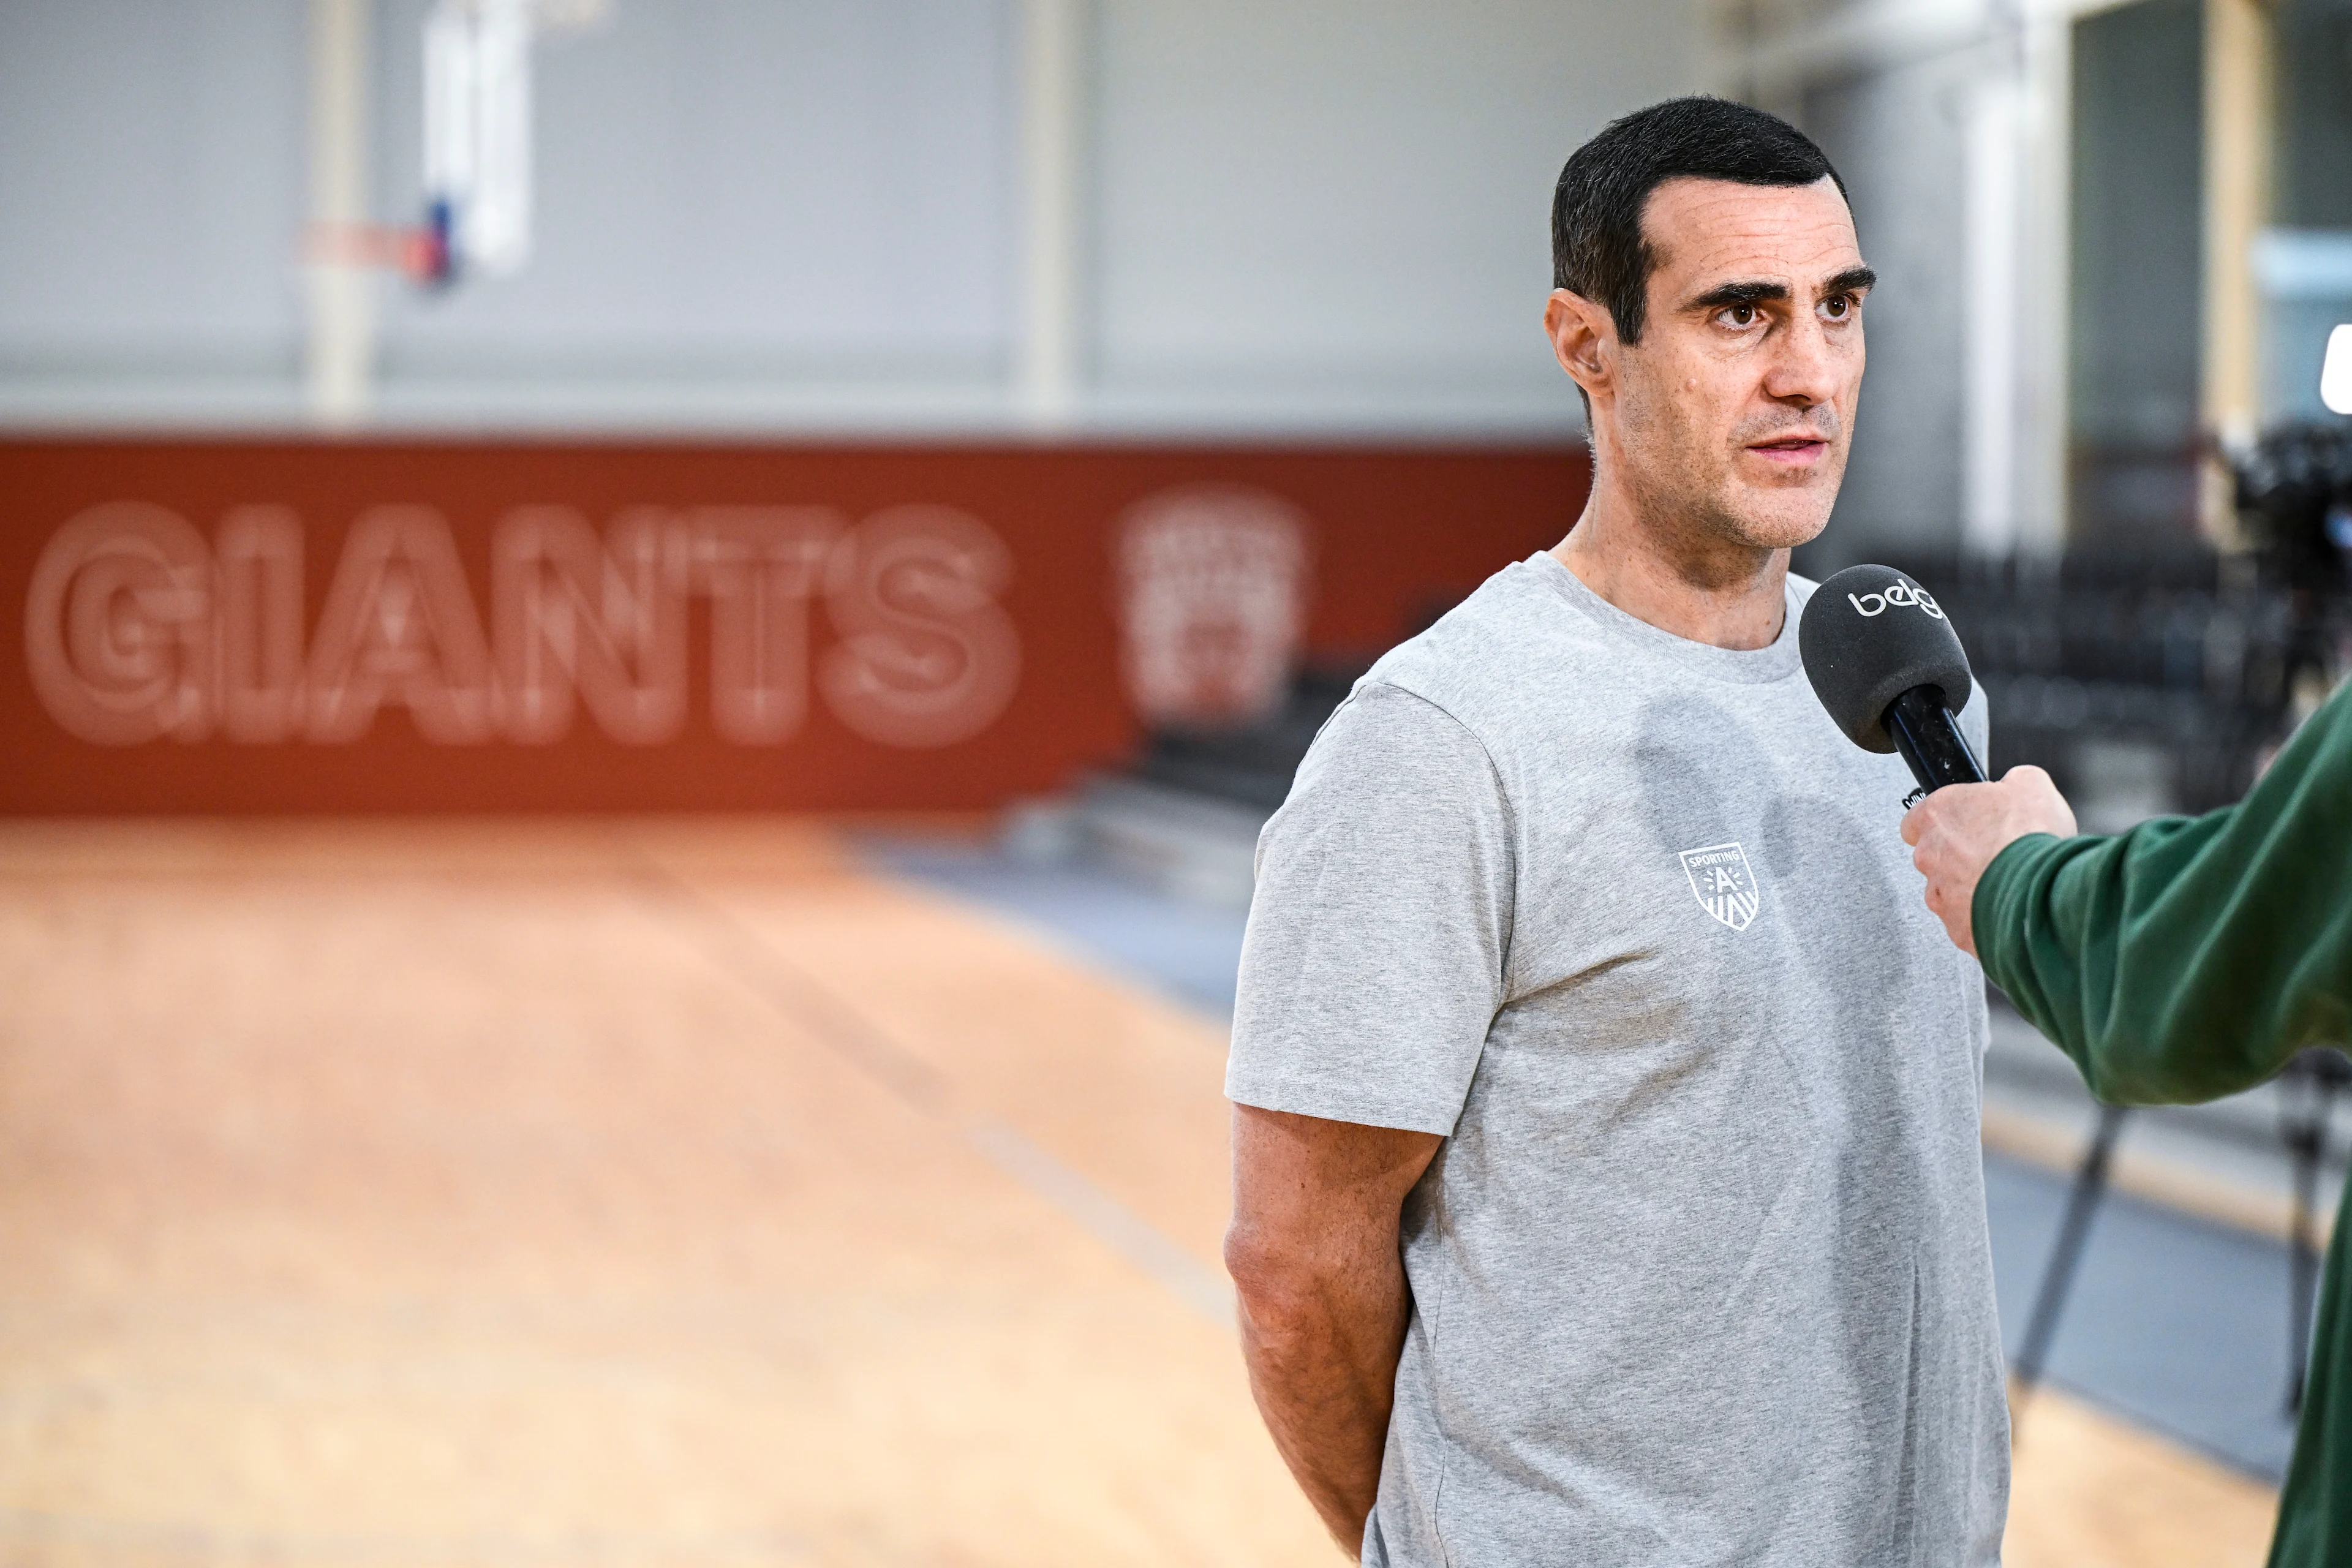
1212 587
1724 886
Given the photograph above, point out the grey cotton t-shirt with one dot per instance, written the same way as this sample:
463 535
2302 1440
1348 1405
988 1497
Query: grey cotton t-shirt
1700 1273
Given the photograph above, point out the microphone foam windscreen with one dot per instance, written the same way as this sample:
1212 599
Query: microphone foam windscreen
1870 633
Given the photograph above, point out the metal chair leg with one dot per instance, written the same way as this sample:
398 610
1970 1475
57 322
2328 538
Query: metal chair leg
2058 1276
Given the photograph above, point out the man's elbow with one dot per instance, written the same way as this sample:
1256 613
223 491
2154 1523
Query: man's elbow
1274 1279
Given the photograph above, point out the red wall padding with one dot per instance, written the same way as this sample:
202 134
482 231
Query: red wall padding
249 626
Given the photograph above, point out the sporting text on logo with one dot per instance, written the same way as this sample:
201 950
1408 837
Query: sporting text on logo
1725 888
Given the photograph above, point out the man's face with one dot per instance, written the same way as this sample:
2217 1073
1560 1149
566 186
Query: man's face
1735 411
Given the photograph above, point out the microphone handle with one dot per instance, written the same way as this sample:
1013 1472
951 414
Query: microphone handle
1930 741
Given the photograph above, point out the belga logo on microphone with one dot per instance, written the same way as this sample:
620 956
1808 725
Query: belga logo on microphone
1895 593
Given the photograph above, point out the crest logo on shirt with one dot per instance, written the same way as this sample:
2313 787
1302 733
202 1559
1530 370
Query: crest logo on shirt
1726 886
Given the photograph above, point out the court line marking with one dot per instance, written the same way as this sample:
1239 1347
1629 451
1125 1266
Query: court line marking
1110 1221
731 943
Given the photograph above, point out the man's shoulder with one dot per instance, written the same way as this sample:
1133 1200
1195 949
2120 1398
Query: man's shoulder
1484 653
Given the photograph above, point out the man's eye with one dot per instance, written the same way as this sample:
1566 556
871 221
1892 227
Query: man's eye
1838 307
1739 315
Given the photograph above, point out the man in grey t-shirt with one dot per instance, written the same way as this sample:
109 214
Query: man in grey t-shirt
1606 1174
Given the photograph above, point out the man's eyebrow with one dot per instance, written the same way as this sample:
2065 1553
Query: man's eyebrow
1760 291
1757 293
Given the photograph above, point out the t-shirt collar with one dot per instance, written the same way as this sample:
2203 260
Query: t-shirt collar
1776 661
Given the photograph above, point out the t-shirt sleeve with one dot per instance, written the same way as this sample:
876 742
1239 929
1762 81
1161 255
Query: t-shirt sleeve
1373 961
2190 957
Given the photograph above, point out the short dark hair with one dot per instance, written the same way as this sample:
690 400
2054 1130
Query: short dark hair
1598 249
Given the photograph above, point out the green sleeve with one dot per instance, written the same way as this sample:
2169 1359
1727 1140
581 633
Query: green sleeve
2190 957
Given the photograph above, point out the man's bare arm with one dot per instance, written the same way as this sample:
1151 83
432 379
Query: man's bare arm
1314 1254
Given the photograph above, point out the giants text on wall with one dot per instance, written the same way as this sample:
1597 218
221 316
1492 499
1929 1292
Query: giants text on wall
137 629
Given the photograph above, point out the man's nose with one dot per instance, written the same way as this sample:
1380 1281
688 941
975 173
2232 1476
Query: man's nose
1803 371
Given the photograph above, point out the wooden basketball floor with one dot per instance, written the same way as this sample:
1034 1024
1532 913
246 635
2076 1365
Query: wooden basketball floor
650 1192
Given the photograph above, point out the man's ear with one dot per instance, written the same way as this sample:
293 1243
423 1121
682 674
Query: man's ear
1583 339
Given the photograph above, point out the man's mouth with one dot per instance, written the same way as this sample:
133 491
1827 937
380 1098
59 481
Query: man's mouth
1790 450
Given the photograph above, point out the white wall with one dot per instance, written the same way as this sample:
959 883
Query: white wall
1316 212
150 191
766 215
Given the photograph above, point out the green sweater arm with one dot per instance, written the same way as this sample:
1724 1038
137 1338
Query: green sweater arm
2189 958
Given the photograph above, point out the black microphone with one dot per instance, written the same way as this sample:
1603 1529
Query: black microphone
1886 664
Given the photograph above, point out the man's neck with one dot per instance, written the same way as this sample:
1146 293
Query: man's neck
1715 591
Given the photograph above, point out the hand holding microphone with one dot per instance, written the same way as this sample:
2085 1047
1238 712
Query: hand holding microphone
1887 665
1954 834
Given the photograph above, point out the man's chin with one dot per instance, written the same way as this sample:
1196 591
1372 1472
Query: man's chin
1772 528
